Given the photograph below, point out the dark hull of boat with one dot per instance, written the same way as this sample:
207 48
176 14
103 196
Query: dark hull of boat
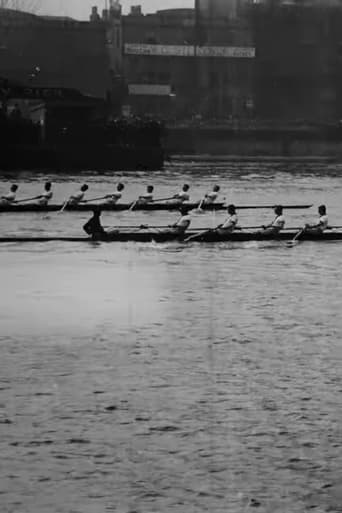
158 236
118 207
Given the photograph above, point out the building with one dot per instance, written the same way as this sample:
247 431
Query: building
180 66
215 9
111 19
298 61
54 52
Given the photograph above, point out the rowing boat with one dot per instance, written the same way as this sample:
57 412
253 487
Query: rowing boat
118 207
207 236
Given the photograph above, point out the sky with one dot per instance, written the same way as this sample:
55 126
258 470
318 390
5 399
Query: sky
80 9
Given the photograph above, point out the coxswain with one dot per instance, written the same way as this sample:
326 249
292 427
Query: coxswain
10 197
93 227
230 223
115 196
44 198
183 195
211 196
322 222
148 196
183 222
277 224
78 196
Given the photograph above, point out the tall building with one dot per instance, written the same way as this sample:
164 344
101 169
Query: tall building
180 66
217 9
299 62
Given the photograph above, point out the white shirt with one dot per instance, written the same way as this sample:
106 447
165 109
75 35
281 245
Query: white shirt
230 223
211 197
10 197
323 222
279 222
77 197
113 198
46 196
184 196
146 197
184 222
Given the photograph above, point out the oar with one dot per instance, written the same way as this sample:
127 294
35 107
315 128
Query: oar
293 242
95 199
162 199
147 226
291 229
272 206
199 234
133 205
27 199
199 208
63 206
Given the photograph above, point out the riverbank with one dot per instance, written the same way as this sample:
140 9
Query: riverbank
254 143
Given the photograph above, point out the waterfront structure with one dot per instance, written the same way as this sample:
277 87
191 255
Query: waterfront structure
267 61
299 62
54 52
178 68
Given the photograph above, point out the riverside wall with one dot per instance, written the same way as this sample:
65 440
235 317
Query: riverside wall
267 143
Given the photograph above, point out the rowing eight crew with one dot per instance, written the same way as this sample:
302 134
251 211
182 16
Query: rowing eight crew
79 196
94 228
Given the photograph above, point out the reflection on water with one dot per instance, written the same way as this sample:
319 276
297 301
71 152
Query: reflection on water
149 378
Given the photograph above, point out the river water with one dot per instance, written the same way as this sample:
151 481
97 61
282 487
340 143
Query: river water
141 378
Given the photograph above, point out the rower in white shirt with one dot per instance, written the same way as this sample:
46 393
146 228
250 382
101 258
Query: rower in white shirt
78 196
148 196
211 196
180 226
7 199
277 224
183 222
322 222
115 196
230 224
44 198
183 195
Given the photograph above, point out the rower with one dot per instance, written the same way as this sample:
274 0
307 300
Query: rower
211 196
93 227
44 198
148 196
78 196
230 223
9 198
322 222
183 195
115 196
183 222
277 224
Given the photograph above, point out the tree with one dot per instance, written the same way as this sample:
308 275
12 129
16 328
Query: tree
21 5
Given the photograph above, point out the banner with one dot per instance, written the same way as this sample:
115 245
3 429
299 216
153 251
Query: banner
236 52
149 89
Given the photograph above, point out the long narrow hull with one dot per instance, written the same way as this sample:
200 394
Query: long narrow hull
118 207
158 236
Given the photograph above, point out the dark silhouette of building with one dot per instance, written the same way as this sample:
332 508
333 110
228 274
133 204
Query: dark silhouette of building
298 62
66 52
180 66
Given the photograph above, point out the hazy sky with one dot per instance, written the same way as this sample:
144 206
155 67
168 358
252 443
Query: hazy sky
81 8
